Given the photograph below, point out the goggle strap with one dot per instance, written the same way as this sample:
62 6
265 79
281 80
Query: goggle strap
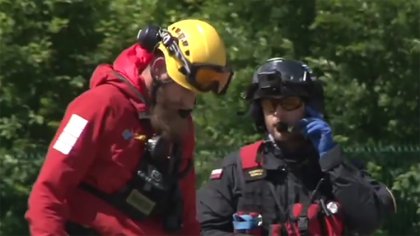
170 43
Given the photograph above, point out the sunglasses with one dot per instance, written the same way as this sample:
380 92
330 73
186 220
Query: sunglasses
288 103
204 77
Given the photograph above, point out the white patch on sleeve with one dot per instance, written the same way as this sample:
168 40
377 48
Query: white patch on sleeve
216 174
70 134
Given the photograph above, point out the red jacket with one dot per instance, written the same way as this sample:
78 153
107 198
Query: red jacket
95 144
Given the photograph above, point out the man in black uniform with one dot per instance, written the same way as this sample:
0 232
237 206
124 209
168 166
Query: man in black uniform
296 181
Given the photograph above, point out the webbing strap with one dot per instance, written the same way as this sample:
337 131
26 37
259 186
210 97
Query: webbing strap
248 155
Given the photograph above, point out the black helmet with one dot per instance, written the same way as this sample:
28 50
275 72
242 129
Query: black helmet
279 77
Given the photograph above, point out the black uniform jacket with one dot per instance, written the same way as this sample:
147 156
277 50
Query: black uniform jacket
364 202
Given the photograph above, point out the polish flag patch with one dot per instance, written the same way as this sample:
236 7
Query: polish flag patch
216 174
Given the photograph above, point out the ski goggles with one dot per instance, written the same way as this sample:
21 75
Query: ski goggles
288 103
203 77
207 77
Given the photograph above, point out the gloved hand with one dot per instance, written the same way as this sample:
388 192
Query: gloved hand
317 130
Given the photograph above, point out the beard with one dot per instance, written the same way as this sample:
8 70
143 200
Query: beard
168 123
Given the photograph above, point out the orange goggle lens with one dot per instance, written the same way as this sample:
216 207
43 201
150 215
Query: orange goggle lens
287 103
212 78
207 77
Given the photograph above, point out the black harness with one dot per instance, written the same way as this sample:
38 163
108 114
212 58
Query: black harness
152 192
276 195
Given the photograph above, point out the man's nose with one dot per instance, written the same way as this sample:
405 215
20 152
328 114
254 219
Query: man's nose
279 111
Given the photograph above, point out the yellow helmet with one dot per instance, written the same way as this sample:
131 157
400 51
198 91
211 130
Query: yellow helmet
195 56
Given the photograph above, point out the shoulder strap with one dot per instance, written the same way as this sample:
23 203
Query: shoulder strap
246 159
141 115
123 79
248 162
248 155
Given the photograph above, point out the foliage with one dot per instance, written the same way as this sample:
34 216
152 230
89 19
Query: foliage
366 52
385 165
370 50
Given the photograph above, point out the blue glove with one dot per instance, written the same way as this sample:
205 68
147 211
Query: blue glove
317 130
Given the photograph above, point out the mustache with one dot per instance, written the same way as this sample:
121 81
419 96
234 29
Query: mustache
170 109
283 127
173 108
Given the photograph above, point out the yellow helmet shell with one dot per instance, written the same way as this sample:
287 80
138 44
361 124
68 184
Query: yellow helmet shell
199 42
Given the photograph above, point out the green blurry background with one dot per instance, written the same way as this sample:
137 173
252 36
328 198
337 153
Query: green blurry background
366 51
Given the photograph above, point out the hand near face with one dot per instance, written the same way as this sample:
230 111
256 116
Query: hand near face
317 130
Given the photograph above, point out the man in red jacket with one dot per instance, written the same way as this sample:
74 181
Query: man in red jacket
121 162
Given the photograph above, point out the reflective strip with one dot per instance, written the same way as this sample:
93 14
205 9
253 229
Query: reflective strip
394 202
70 134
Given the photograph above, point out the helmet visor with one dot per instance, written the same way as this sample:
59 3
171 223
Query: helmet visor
206 77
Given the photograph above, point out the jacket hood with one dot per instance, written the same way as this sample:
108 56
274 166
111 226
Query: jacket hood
130 63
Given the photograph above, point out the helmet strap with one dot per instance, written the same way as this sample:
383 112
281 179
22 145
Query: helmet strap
257 115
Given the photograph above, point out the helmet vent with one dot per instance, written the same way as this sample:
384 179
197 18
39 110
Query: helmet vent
187 53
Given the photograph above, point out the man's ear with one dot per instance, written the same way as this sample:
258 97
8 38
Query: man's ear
158 69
